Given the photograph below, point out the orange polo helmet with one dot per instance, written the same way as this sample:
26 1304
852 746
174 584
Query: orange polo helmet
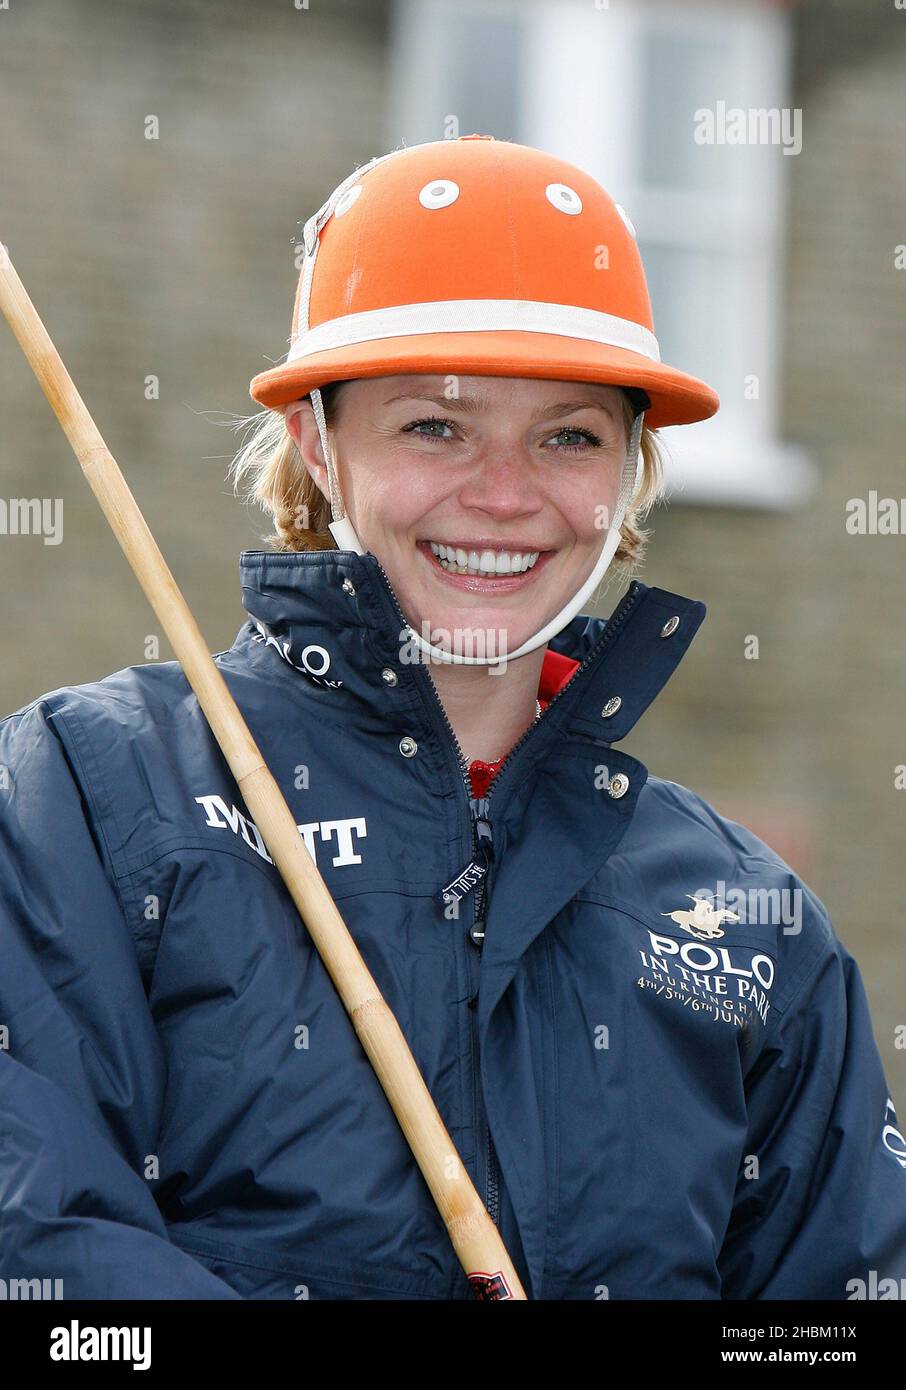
476 256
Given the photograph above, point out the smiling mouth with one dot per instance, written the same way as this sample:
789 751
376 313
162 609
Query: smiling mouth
476 576
483 562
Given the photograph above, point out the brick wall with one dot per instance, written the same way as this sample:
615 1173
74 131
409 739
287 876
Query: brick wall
170 257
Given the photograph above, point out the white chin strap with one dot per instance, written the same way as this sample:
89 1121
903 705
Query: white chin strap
343 532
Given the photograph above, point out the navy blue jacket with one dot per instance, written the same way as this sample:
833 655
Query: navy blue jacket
658 1068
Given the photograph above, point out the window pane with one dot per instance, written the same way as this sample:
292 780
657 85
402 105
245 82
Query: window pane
464 61
679 75
695 297
484 67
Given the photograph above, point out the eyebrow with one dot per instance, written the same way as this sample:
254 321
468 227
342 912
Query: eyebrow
471 405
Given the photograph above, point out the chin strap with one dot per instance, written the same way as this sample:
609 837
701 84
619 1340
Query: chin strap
343 532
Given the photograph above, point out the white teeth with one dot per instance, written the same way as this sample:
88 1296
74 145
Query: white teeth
502 562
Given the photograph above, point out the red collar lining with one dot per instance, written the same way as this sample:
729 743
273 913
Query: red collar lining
556 671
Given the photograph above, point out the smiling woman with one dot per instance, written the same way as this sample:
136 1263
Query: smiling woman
661 1087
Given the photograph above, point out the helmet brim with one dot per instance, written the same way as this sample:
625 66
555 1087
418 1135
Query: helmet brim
676 398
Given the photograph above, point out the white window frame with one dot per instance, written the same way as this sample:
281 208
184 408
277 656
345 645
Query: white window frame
737 458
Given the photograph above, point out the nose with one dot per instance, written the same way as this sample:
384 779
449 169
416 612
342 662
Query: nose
502 484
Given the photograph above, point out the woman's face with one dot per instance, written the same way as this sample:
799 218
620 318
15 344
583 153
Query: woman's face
487 509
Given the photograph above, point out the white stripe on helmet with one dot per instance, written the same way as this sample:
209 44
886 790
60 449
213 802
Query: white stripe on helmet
476 316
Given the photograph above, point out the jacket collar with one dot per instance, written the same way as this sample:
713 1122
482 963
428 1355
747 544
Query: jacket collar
334 619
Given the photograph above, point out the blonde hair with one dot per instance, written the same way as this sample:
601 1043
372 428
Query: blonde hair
268 470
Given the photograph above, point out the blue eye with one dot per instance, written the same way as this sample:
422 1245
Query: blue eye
591 440
428 420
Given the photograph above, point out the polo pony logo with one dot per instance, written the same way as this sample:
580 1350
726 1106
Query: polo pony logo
704 920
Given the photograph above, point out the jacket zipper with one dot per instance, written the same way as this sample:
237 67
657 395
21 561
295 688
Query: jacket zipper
482 830
617 619
482 854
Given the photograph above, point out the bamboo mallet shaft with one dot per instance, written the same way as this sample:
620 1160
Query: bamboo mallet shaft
474 1236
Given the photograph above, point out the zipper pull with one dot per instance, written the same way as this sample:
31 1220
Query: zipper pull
478 809
470 876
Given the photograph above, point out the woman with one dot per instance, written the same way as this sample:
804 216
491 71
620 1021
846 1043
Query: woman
661 1088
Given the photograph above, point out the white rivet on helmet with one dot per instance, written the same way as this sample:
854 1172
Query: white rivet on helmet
627 219
346 200
439 193
564 198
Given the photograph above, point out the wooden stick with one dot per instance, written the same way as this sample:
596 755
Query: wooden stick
475 1238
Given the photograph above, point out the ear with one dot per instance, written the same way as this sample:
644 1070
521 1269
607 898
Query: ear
303 427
